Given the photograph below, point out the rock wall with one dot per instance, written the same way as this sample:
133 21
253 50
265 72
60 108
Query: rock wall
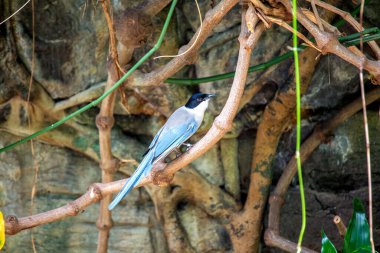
71 51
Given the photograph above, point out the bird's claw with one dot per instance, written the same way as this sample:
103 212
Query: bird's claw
178 152
188 146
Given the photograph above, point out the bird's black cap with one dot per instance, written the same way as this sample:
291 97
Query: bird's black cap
198 98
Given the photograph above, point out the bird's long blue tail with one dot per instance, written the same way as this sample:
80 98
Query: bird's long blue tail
143 169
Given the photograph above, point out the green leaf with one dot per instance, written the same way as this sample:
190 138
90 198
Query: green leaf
357 235
363 250
327 245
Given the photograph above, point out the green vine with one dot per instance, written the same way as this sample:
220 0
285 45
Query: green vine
99 99
349 40
298 113
353 39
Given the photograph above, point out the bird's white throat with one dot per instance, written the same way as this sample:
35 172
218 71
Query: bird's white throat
199 111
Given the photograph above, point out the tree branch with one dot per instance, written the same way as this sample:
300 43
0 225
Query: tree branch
223 122
355 24
275 120
212 18
328 43
96 192
104 121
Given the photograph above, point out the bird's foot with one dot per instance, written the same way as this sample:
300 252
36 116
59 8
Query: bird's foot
178 152
187 145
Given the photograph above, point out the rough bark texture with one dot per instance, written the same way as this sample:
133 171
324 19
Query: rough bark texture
219 203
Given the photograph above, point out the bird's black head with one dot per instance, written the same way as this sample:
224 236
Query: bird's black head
198 98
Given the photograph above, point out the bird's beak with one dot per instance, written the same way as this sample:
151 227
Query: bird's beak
210 96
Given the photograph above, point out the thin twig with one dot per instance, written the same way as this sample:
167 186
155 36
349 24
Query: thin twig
310 15
29 109
17 11
366 132
196 38
347 16
318 20
289 28
329 43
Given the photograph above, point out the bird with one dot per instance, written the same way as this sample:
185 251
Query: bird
180 126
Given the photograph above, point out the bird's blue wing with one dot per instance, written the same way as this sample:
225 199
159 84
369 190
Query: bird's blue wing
179 127
171 138
154 141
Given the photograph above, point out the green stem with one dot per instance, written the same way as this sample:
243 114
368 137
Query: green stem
298 113
106 93
365 39
352 39
254 68
354 36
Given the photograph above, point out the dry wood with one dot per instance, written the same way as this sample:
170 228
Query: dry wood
352 21
104 122
340 226
156 77
328 43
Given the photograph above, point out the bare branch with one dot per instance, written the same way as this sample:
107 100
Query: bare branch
347 16
289 28
96 192
104 122
329 43
212 18
318 20
82 97
223 122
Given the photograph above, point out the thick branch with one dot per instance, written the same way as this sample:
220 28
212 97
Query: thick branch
209 197
347 16
223 122
85 96
216 202
276 118
212 18
166 207
96 192
104 122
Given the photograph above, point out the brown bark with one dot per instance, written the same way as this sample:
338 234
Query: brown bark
352 21
104 122
328 43
223 122
156 77
277 117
